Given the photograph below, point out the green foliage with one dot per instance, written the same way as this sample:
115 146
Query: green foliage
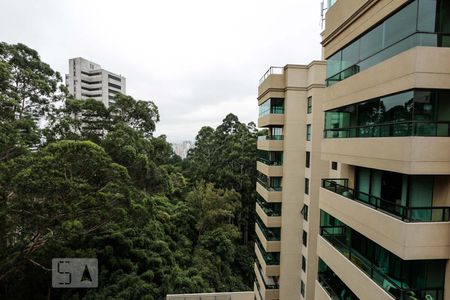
95 182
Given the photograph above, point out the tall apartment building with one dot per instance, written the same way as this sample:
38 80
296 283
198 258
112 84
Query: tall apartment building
368 166
289 173
88 80
384 214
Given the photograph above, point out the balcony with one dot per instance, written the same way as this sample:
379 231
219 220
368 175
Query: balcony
332 284
269 213
270 195
404 213
407 155
269 168
397 289
349 273
267 287
269 261
409 232
270 142
271 112
269 238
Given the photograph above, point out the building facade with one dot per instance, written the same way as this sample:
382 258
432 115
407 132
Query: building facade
88 80
289 172
385 204
354 182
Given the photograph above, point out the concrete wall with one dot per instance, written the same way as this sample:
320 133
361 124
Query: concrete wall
213 296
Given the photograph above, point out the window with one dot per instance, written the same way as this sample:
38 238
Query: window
309 107
303 263
114 77
304 212
116 86
416 112
308 158
305 238
302 288
420 23
307 186
308 132
334 165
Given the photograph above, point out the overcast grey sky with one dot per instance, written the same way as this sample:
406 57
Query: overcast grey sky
197 59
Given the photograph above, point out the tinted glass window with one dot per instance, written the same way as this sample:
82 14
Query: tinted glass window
372 42
400 25
350 55
334 64
427 15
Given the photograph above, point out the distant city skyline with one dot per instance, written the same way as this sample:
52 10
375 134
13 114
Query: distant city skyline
197 60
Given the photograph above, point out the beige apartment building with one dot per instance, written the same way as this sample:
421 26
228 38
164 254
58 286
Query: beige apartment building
370 217
385 224
289 175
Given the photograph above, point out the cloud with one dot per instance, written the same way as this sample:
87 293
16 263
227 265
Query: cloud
198 60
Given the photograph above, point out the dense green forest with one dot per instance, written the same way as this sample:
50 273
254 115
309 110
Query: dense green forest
78 179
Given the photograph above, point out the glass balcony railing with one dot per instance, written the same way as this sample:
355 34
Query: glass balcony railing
271 71
270 209
277 137
274 188
395 288
270 258
269 282
271 234
404 213
396 129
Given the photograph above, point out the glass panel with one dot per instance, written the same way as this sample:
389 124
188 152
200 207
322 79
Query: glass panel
350 55
443 16
363 183
334 64
264 109
421 195
372 42
444 105
400 25
427 16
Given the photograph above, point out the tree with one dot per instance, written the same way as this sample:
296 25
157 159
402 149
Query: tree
139 115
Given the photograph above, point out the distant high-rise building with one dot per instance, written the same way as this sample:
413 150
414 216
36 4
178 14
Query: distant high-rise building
181 149
88 80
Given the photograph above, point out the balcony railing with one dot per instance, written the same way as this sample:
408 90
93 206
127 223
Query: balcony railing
276 137
333 288
271 71
270 209
404 213
271 284
268 187
396 129
270 162
394 287
271 234
271 258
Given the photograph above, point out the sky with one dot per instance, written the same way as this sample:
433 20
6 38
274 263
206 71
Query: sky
198 60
